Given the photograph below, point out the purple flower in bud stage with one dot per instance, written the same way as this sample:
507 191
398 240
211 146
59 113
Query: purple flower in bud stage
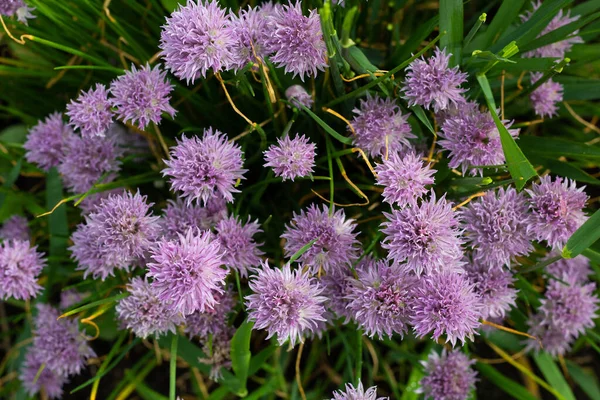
553 338
141 96
546 97
288 304
297 95
556 210
448 376
50 381
496 227
188 272
291 158
380 127
218 354
91 112
296 41
197 37
205 168
46 142
18 8
431 84
249 31
447 304
15 228
117 235
495 288
213 321
426 236
20 266
358 393
575 271
237 242
335 243
180 216
404 178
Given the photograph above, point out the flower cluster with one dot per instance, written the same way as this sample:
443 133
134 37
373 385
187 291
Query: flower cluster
236 239
448 376
20 266
46 142
291 158
14 228
357 393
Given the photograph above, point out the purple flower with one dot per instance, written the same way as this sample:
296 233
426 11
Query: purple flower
496 227
446 304
118 234
50 381
448 376
431 84
212 321
297 95
141 96
46 142
426 236
291 158
180 216
553 338
575 271
357 393
71 297
404 178
380 126
249 30
495 288
286 303
20 266
15 228
335 240
188 272
296 40
205 168
91 112
237 242
546 97
218 354
556 210
196 38
18 8
336 287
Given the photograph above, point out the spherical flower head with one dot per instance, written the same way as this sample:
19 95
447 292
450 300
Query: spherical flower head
50 381
494 287
188 272
20 266
431 84
288 304
556 210
237 242
46 142
575 271
180 216
449 376
144 313
91 112
380 127
291 158
297 95
545 98
426 236
117 235
553 339
197 37
335 243
212 321
358 393
15 228
18 8
473 140
249 29
296 40
446 304
141 96
404 178
496 227
205 168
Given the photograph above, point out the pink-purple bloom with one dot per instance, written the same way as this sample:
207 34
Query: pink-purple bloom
572 270
297 95
20 266
15 228
180 216
249 28
49 380
240 250
357 393
212 321
45 145
18 8
448 376
291 158
91 112
546 97
495 288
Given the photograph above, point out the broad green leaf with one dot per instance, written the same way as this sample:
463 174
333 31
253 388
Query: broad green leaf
420 114
585 380
553 375
583 237
592 255
14 134
509 386
240 355
568 170
451 21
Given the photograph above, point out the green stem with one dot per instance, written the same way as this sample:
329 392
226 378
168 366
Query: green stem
359 358
173 367
475 28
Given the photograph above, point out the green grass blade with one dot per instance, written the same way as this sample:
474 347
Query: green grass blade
508 11
173 368
94 304
509 386
583 237
451 21
585 380
240 355
328 129
553 375
302 250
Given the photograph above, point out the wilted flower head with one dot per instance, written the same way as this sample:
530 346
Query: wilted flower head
18 8
180 216
197 38
448 376
188 272
249 30
335 244
431 84
546 97
291 158
357 393
297 95
205 168
50 381
15 228
91 112
20 266
572 270
212 321
46 141
494 287
141 96
556 210
380 127
240 251
286 303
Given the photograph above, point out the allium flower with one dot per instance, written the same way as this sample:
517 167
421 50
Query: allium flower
249 31
205 168
296 40
118 234
404 178
357 393
448 376
198 37
496 227
237 242
431 84
18 8
91 112
213 321
426 236
286 303
554 340
575 271
291 158
297 95
218 354
141 96
380 126
546 97
379 300
494 287
15 228
473 140
180 216
335 244
337 285
188 272
50 381
446 304
20 266
46 142
556 210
